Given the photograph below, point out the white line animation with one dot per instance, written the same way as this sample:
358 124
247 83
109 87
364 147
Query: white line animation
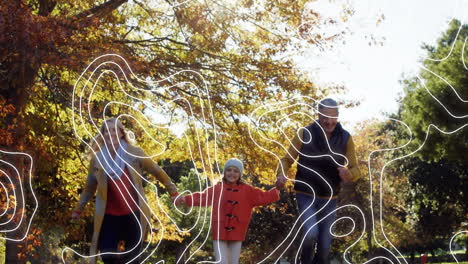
305 103
12 201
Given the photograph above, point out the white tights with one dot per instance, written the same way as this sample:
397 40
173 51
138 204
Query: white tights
227 252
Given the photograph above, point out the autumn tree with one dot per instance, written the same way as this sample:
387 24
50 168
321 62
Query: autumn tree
46 44
435 96
433 162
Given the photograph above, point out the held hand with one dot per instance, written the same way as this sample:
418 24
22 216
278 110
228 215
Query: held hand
174 196
345 175
178 200
280 182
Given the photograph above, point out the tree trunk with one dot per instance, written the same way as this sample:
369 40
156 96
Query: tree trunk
17 93
20 72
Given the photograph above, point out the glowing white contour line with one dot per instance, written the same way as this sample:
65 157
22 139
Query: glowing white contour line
334 222
132 198
427 135
8 199
321 128
215 148
451 241
343 218
22 194
6 195
429 126
283 169
371 203
463 53
381 195
161 208
154 187
453 89
420 147
381 180
381 191
451 47
139 194
446 109
14 195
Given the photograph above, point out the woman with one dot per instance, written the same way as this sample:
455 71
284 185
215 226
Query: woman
121 213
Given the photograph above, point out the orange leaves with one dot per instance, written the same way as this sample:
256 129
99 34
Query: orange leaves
5 108
21 255
28 249
6 137
196 18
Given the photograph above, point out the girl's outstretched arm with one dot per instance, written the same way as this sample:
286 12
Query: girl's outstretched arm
150 166
204 198
261 197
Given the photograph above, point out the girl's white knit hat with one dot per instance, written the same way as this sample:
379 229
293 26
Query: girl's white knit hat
234 163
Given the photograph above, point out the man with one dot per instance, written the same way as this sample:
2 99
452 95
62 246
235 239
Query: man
326 158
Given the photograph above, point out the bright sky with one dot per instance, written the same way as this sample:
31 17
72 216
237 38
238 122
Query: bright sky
371 73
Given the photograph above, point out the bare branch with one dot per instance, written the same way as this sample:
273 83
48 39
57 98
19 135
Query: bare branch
101 10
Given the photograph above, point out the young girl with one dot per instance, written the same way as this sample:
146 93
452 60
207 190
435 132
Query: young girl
232 201
121 213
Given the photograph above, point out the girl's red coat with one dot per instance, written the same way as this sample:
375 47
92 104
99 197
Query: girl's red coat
232 207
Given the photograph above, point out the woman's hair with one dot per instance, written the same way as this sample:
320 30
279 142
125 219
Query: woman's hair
98 141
